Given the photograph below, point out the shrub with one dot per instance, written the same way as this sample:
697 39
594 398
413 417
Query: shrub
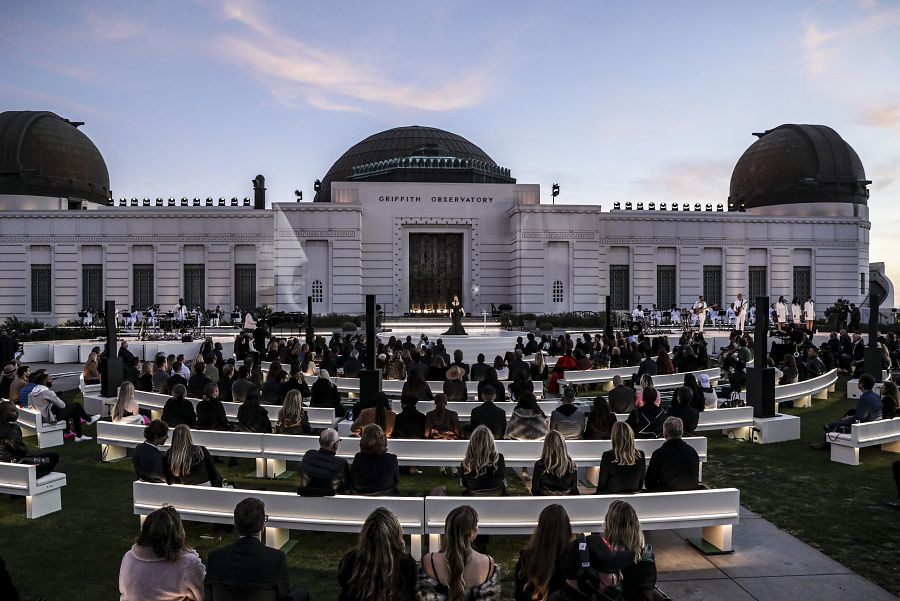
545 326
348 326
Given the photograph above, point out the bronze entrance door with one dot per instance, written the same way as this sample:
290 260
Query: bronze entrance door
435 271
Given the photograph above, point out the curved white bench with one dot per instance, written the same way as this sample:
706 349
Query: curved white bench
802 393
853 385
42 496
87 388
845 447
48 434
605 377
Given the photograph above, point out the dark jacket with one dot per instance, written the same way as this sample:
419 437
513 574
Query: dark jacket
405 573
621 399
271 392
375 474
498 387
253 418
409 423
323 474
179 411
477 371
688 415
293 384
544 483
518 369
456 391
239 389
211 415
247 562
325 394
202 470
490 415
615 478
490 483
225 385
302 427
149 463
674 466
12 446
196 385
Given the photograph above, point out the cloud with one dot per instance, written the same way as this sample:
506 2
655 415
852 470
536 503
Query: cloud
824 48
61 105
885 116
114 28
330 81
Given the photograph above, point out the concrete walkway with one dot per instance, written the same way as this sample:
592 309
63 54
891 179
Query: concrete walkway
768 565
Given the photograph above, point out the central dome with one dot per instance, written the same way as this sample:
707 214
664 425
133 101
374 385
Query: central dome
374 159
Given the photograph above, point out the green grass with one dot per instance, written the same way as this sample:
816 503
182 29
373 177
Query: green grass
75 553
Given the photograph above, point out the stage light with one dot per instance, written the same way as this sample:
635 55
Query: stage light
709 206
234 201
196 202
651 206
697 206
617 206
146 202
640 206
685 207
719 207
663 206
134 202
246 202
627 206
221 202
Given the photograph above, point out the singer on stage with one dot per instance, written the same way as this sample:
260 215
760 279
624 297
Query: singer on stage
456 315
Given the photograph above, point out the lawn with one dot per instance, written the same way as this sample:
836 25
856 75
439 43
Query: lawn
75 553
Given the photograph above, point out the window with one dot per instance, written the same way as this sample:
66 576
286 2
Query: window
195 285
318 291
665 286
712 284
619 290
92 286
142 286
862 283
245 285
802 283
557 291
758 282
40 289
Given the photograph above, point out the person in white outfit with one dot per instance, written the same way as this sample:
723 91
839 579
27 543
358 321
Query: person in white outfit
740 312
796 312
809 313
700 308
781 311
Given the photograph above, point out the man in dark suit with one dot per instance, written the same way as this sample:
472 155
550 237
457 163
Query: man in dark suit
148 458
248 566
621 397
476 374
532 346
675 465
518 369
488 414
124 354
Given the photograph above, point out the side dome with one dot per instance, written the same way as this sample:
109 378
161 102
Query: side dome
798 164
42 154
414 154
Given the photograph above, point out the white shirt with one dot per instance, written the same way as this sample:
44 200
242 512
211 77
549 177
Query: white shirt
795 312
781 311
739 305
181 312
809 310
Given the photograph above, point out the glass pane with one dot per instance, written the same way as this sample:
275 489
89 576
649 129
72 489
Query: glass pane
245 285
665 286
40 289
712 284
758 282
92 286
619 287
195 286
142 286
802 283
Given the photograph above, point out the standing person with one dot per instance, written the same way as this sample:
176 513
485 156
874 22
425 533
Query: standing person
160 565
12 446
622 467
554 473
622 531
456 314
781 311
740 312
700 308
379 569
247 567
452 573
809 313
796 313
539 571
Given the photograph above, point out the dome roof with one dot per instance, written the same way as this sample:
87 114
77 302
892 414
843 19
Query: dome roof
377 151
42 154
798 164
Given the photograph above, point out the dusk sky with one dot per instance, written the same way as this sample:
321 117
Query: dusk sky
616 101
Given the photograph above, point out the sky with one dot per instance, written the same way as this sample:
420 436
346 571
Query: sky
616 101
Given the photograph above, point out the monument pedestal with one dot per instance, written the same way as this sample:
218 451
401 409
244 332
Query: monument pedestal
776 429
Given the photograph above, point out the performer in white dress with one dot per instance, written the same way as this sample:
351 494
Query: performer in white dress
740 312
700 308
796 312
181 310
781 311
809 313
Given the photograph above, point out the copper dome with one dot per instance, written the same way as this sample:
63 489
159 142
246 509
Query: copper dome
798 164
42 154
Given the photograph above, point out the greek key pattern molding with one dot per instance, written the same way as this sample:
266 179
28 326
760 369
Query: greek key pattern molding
95 239
291 233
746 243
560 235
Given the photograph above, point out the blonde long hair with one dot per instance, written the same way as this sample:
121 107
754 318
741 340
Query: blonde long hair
182 453
555 455
380 543
622 529
481 452
623 444
125 402
457 548
291 412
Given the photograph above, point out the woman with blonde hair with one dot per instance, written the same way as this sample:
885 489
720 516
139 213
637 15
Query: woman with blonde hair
292 419
91 371
554 473
538 368
145 380
187 463
451 574
622 530
126 409
622 467
483 467
539 571
379 569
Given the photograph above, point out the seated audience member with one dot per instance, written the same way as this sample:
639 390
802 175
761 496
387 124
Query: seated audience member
483 468
145 381
187 463
622 531
292 419
246 568
437 371
539 571
91 370
500 368
159 564
275 381
379 569
789 372
149 459
454 387
20 384
53 408
242 384
440 422
324 393
682 409
476 374
538 369
416 387
322 472
621 397
452 573
212 367
380 414
490 379
603 562
178 410
374 471
554 473
226 381
600 421
197 382
647 419
622 467
527 421
890 400
488 414
6 380
125 411
868 409
211 411
410 422
253 417
297 381
697 401
675 465
568 419
12 445
160 375
710 398
176 377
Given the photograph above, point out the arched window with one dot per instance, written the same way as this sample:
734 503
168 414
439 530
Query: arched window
557 291
318 291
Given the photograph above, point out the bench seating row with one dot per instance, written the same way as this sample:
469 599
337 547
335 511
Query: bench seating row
845 447
42 495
